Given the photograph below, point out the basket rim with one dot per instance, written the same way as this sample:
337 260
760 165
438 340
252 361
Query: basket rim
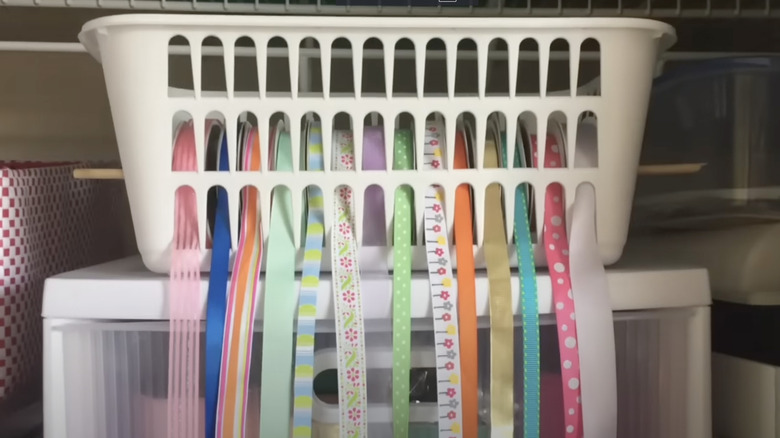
312 23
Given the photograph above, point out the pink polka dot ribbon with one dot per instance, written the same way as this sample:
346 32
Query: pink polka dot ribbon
556 248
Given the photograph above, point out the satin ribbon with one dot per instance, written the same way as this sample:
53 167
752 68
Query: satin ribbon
594 320
373 261
529 301
444 293
557 250
237 341
279 307
217 294
374 198
184 301
310 281
467 299
403 232
347 299
500 301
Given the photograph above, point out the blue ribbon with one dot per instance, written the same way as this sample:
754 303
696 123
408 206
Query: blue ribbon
217 297
529 304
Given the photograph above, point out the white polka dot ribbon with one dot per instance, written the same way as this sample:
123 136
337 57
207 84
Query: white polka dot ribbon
403 229
557 250
444 293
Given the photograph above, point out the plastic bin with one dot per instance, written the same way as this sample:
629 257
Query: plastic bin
116 382
108 349
720 113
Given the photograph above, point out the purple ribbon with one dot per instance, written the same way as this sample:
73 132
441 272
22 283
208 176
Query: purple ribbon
374 200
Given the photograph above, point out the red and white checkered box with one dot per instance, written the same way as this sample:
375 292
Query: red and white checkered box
49 223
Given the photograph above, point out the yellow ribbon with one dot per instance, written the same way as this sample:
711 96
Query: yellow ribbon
501 315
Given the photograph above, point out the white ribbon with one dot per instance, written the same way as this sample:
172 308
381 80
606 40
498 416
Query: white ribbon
594 320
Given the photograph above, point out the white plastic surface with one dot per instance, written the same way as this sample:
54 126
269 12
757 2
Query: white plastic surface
134 52
745 398
115 379
95 357
125 290
741 261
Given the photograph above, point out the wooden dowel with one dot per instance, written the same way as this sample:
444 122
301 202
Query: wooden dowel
670 169
98 174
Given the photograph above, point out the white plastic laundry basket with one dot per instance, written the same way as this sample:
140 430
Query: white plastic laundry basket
134 51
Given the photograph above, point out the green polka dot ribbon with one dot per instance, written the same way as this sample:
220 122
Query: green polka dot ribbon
403 230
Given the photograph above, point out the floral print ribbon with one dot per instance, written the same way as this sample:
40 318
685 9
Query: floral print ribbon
444 292
350 342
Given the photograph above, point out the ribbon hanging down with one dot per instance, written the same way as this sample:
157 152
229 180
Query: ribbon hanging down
557 250
310 281
444 292
350 342
239 320
184 338
467 299
500 302
594 321
403 232
529 300
217 294
591 298
279 306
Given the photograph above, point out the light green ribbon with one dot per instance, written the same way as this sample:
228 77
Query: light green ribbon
403 232
279 307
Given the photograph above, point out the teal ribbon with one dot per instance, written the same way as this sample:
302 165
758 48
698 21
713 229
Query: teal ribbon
279 307
529 303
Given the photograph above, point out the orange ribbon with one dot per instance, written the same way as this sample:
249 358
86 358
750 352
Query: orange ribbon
464 248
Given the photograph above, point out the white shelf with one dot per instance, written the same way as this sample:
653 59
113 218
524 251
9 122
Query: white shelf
124 289
712 9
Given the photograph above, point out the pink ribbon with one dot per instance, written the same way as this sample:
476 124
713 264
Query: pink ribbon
184 302
556 247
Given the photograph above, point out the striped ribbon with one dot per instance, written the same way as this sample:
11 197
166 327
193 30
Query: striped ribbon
234 375
557 250
403 232
310 280
350 342
444 293
184 338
